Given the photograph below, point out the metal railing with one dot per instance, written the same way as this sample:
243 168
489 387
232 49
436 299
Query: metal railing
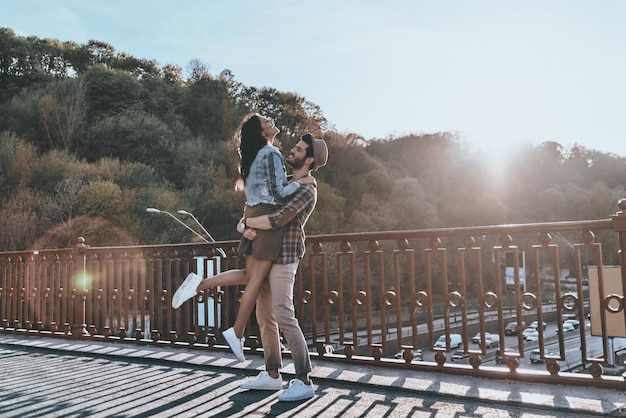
360 297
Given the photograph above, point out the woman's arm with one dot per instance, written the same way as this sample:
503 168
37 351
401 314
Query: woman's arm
279 188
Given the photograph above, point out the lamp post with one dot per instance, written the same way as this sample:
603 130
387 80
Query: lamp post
154 210
184 212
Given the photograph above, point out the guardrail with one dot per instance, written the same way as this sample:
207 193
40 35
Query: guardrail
360 297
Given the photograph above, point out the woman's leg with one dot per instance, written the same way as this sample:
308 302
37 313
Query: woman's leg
225 278
188 289
256 271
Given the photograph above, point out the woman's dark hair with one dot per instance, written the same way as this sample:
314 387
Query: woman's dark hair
251 141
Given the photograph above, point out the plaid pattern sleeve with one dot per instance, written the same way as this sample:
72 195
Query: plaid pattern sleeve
293 215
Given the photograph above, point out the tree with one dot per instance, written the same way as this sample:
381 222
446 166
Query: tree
210 195
106 199
132 137
22 63
62 111
51 168
65 203
19 220
207 109
98 232
16 163
110 93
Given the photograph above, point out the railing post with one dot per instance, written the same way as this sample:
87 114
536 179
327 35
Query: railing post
618 222
79 292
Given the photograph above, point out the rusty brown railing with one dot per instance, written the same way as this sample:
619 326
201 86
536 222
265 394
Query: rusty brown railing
360 297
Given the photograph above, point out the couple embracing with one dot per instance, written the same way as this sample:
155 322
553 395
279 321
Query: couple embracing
273 243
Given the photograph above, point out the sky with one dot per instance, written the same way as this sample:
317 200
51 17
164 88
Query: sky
498 73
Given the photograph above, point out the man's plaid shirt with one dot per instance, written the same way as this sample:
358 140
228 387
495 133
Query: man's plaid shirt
293 216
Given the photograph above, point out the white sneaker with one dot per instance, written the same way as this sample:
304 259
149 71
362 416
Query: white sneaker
187 290
235 343
263 381
297 391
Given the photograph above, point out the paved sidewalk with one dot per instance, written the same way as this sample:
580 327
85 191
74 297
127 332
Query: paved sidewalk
49 377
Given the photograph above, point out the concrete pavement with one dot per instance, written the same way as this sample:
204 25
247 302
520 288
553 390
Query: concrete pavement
50 377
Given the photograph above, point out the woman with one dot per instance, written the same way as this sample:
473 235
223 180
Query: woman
266 186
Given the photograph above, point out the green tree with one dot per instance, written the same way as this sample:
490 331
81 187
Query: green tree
103 198
111 92
62 111
19 220
16 163
210 195
132 137
50 169
206 107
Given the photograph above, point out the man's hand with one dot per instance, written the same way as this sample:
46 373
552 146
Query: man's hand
249 233
241 225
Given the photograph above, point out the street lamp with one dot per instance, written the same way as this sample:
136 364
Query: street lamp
184 212
154 210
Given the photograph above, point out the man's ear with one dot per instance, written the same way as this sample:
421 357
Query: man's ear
309 161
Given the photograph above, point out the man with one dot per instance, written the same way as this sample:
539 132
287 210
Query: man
275 308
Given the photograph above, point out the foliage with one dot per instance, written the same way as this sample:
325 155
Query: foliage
90 137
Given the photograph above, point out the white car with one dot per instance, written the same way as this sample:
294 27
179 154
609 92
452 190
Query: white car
459 355
455 341
417 355
535 356
567 327
535 324
575 322
488 335
528 331
491 340
532 336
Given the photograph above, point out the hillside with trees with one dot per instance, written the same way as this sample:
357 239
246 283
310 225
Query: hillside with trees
90 137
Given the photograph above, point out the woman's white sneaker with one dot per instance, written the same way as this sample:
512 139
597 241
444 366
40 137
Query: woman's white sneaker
263 381
187 290
236 344
297 391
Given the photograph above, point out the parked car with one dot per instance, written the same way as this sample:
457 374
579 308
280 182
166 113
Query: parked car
500 359
535 324
535 356
459 355
528 331
417 355
575 322
532 336
491 340
512 328
455 341
566 327
488 335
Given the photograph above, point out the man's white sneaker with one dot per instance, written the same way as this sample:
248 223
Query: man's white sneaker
297 391
235 343
187 290
263 381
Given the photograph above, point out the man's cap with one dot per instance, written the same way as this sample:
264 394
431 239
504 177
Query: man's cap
320 151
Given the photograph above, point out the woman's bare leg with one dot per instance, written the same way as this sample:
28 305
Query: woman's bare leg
256 271
225 278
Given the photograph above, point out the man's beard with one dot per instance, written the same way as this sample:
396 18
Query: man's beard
295 162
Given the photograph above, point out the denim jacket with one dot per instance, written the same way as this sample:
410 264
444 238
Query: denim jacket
267 180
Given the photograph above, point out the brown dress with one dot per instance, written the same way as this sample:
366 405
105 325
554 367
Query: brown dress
268 243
